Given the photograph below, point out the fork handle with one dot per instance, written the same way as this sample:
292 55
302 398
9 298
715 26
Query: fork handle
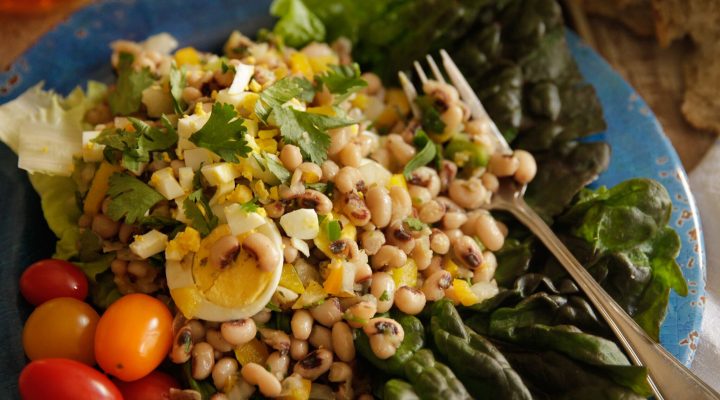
668 377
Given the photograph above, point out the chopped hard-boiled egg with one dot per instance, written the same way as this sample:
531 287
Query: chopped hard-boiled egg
301 224
190 124
219 173
241 221
185 242
196 158
301 246
243 74
221 193
239 290
185 178
149 244
91 151
163 180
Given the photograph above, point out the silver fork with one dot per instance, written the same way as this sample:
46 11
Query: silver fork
668 378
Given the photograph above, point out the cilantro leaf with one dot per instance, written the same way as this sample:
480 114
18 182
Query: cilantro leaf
415 224
281 92
250 206
308 131
333 230
342 81
177 84
127 96
197 209
277 169
131 198
135 146
222 134
297 26
430 119
422 157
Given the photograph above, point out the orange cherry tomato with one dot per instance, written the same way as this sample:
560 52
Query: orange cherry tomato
133 336
61 328
155 386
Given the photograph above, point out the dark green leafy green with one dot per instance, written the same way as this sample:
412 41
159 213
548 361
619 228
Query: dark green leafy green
130 197
127 96
341 80
297 26
433 380
430 116
103 290
223 133
197 209
281 92
204 387
308 131
395 365
177 84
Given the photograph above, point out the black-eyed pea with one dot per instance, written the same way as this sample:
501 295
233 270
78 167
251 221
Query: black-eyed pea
453 235
401 150
255 374
262 317
197 330
468 252
469 194
321 337
401 203
371 241
347 179
350 155
428 178
363 272
315 200
197 395
223 251
359 313
385 336
301 324
314 364
182 346
261 247
383 288
527 167
490 182
400 235
435 265
340 372
439 242
298 349
502 165
238 332
388 256
278 364
435 285
379 202
214 337
203 360
329 170
374 84
421 254
224 372
308 172
276 339
327 313
486 271
342 341
104 226
431 211
291 157
488 232
454 219
290 253
410 300
339 138
419 195
502 227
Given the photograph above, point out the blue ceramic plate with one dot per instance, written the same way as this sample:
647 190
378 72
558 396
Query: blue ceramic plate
78 50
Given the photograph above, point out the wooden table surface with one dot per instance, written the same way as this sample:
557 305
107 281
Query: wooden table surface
655 73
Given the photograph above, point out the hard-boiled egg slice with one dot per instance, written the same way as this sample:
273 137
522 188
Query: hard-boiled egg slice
239 290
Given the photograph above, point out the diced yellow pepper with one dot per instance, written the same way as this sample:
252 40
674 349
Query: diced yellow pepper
274 194
314 294
300 65
252 126
460 292
324 110
299 391
360 101
187 55
397 180
267 145
291 280
280 72
254 86
333 283
321 64
405 275
451 267
241 194
268 133
99 188
253 351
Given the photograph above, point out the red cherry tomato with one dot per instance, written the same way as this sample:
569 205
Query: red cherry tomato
63 379
50 278
155 386
133 336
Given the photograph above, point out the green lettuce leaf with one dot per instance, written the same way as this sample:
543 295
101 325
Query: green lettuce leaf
297 26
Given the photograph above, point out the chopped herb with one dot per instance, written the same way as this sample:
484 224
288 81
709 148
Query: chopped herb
385 296
273 307
260 161
423 157
127 96
352 318
421 139
277 169
430 119
415 224
197 209
204 387
281 92
308 131
177 84
131 198
167 225
135 146
342 81
250 206
223 133
333 230
225 67
323 187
